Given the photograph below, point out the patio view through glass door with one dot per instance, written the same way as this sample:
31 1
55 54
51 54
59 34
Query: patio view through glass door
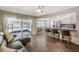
19 27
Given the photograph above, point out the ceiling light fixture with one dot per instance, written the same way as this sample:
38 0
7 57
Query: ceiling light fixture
40 9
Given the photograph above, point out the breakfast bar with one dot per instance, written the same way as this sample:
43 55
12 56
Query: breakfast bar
63 32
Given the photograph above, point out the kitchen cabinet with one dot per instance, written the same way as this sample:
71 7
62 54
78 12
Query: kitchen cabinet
68 18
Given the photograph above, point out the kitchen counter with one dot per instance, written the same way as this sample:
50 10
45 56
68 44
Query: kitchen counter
72 32
69 29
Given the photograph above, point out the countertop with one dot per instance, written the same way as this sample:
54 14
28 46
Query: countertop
69 29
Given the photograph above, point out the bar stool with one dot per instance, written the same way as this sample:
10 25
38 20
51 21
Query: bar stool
47 32
66 34
55 33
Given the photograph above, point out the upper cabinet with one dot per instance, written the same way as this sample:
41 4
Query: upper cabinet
69 18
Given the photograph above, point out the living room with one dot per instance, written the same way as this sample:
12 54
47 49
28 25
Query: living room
39 28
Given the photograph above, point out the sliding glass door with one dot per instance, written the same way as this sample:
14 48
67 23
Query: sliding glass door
18 26
27 27
21 27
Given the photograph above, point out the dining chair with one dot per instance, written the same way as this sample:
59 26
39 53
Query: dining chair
66 34
55 33
48 31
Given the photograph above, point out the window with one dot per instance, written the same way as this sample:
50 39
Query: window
41 24
18 26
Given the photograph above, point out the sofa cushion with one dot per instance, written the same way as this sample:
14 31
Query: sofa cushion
24 41
9 37
15 45
22 50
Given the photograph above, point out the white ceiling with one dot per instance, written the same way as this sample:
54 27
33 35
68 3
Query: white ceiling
32 10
